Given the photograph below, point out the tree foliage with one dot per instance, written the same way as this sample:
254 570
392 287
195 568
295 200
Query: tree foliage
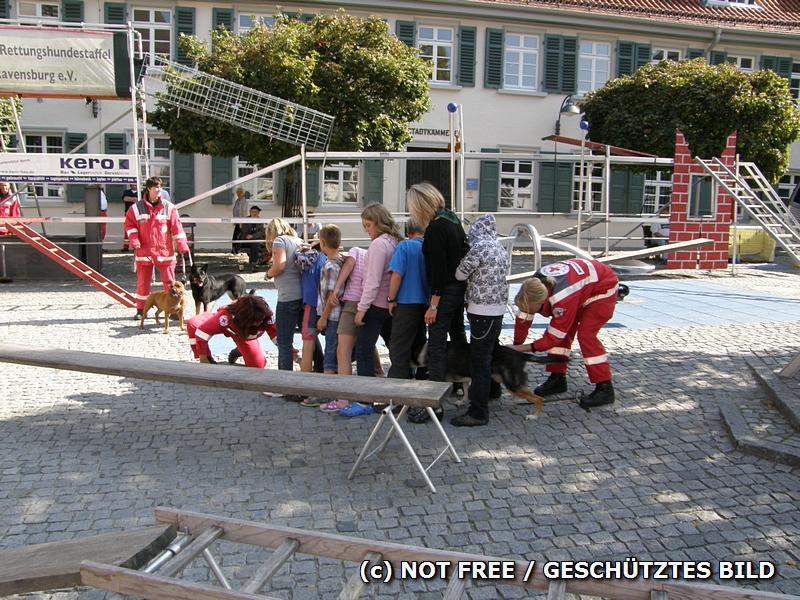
707 103
351 68
7 118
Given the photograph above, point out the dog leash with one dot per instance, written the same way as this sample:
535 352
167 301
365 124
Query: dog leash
183 265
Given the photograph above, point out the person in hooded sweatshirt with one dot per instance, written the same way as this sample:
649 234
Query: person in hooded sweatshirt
484 268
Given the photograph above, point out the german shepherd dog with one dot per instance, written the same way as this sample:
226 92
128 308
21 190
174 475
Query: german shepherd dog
508 368
207 289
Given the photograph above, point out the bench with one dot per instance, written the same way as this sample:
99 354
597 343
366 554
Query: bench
392 392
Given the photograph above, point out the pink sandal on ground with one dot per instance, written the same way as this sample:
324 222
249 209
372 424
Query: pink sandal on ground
334 406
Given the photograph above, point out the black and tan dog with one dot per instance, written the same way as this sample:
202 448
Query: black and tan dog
207 289
172 301
508 368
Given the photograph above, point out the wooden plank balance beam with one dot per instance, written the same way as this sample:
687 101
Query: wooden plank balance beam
392 392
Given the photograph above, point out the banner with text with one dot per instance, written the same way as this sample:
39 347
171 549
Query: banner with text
68 168
57 62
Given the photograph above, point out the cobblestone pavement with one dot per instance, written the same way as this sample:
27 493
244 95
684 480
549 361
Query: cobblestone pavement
653 477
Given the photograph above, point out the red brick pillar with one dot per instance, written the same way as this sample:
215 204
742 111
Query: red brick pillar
683 228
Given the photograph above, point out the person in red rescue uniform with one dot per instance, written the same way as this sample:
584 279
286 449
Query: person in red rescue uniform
579 296
151 225
9 206
243 320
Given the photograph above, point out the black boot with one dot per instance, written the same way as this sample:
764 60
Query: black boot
603 394
555 384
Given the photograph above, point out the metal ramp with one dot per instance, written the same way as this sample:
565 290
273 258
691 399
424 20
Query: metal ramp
571 231
190 89
69 262
767 209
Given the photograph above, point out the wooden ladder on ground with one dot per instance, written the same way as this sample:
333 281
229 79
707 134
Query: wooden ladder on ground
69 262
762 204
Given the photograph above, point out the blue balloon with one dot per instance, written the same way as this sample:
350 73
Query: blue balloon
452 107
585 125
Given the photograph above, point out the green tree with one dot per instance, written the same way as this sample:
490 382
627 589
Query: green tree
7 122
353 69
707 103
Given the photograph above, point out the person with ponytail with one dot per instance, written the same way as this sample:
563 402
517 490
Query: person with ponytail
579 296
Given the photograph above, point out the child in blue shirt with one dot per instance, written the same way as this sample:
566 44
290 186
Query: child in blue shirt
311 262
409 296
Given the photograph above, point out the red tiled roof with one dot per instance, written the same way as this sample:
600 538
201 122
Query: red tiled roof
773 15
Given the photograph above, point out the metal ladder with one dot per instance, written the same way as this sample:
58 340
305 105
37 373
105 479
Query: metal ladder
69 262
570 231
768 211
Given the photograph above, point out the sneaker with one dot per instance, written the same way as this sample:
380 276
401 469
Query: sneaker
334 406
420 415
138 316
294 398
467 420
603 394
555 384
458 388
314 402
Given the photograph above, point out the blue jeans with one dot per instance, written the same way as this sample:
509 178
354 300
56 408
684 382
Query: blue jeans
375 323
451 310
331 343
288 317
484 335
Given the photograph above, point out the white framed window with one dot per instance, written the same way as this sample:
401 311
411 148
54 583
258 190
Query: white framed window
159 157
246 21
786 186
155 25
657 192
660 54
39 10
260 188
436 47
794 81
49 143
521 62
594 66
516 184
592 187
340 184
744 63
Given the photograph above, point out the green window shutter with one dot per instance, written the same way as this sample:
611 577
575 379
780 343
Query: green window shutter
406 32
489 194
635 193
625 61
619 191
718 57
695 53
72 11
312 186
555 187
114 13
221 173
184 24
644 54
183 177
306 18
222 17
552 63
71 141
3 9
278 180
115 143
373 181
495 48
569 65
769 62
467 45
784 67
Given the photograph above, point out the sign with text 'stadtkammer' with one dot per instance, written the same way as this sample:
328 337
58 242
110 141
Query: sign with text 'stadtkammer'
68 168
59 62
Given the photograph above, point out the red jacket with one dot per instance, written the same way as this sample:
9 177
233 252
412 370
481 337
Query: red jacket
151 229
8 208
578 283
222 323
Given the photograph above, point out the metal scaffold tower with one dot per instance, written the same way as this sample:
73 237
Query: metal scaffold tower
210 96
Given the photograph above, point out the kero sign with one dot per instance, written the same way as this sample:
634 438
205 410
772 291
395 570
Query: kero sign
68 168
58 62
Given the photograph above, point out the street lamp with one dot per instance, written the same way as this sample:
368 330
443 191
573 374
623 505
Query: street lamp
569 109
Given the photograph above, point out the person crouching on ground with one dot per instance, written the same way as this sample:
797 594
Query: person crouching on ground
579 296
484 267
243 320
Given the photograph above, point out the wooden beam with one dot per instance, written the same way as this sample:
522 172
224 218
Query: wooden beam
154 587
355 585
271 566
57 564
359 389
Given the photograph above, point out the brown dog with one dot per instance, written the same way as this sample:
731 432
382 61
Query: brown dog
170 302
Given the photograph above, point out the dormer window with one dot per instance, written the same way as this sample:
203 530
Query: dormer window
733 3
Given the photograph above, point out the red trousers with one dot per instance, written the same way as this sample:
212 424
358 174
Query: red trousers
586 326
251 350
144 274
